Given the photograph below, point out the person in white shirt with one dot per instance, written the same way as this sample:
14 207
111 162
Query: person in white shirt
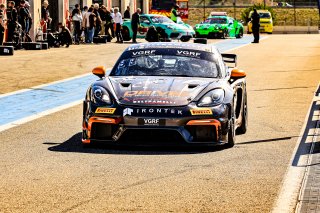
118 20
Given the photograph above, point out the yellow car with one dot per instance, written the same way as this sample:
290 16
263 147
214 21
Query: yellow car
266 23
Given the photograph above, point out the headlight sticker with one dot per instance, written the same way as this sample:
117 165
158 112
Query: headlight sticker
201 111
104 110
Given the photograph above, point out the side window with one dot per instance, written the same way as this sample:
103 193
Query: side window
144 20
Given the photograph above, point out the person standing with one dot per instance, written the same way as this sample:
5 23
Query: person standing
86 24
97 27
2 26
45 16
76 20
126 14
23 16
113 24
12 18
109 25
174 13
255 19
135 22
103 16
118 20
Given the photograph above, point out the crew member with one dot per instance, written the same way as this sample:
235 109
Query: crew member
118 20
152 35
126 14
12 18
64 36
255 20
174 13
135 24
45 16
2 26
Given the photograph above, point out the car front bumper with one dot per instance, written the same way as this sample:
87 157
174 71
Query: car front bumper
186 129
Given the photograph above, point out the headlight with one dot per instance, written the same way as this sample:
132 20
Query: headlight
214 97
100 94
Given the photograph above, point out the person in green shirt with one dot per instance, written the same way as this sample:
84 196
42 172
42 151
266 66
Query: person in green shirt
174 13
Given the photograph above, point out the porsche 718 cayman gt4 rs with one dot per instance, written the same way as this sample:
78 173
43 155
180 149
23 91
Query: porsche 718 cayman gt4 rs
167 93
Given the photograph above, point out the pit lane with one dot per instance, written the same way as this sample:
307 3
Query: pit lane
44 168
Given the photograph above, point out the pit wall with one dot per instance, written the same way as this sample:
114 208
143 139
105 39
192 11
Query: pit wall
284 16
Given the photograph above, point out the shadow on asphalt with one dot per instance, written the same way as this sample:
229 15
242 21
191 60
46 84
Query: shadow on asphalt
305 144
266 140
74 145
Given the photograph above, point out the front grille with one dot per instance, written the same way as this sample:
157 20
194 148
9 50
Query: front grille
101 131
151 136
203 133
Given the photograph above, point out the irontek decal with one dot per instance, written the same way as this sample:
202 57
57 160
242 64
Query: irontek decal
151 111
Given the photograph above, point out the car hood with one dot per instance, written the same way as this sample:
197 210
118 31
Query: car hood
157 90
175 26
206 26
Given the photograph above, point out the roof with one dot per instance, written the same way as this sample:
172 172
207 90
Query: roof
173 45
218 14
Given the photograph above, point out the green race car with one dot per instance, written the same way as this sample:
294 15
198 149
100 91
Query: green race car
165 27
219 25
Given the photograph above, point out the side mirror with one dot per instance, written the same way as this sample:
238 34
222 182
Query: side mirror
99 71
236 73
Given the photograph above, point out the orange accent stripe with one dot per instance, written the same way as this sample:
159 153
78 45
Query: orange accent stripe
101 120
86 141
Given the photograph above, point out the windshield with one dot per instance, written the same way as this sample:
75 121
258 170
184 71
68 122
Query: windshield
160 19
215 21
264 15
168 65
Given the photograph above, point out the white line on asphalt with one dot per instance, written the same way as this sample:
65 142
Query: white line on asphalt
44 85
292 182
263 38
39 115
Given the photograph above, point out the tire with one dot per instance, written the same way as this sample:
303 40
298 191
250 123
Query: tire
211 36
240 35
185 39
125 34
224 34
232 132
242 129
163 35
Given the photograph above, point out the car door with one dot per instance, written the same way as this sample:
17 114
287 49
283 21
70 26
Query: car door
145 23
232 27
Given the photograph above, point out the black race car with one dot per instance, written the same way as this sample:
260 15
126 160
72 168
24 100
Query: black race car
167 93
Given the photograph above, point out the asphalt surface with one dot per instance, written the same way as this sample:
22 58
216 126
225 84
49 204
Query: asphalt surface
43 167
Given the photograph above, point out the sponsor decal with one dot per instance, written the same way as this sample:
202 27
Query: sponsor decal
151 111
201 111
127 111
103 110
156 93
152 101
143 52
188 53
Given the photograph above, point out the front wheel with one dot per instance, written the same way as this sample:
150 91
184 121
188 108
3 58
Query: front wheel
240 34
225 34
242 129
